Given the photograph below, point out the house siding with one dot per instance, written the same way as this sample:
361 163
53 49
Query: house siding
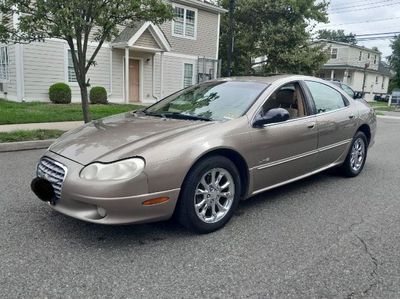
205 43
172 73
39 72
147 40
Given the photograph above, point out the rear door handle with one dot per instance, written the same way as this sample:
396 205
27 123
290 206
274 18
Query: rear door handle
311 125
351 116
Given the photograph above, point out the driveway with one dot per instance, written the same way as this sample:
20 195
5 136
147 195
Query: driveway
325 236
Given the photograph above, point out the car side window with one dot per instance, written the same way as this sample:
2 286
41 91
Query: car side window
289 97
348 90
325 97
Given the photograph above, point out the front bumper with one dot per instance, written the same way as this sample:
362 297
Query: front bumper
121 201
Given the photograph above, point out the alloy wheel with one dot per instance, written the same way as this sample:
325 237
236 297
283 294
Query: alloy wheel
214 195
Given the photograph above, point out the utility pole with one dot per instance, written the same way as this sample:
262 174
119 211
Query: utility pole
231 35
365 77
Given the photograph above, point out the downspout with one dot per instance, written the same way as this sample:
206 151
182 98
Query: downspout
111 72
154 77
162 76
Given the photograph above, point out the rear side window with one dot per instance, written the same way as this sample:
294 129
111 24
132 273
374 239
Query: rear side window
325 97
348 90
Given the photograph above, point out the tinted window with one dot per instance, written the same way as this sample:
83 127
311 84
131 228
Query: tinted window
212 100
325 97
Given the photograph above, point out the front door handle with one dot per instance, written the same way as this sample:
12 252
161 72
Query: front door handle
351 116
311 125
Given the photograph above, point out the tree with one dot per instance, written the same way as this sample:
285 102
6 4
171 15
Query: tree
78 22
276 30
337 36
394 60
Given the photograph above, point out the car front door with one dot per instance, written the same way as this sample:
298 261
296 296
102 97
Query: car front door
285 150
336 123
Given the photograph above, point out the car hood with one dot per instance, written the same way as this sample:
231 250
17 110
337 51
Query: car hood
126 132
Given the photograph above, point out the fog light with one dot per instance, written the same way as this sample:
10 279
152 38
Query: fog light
102 212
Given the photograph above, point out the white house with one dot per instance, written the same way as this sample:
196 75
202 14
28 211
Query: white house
347 63
144 63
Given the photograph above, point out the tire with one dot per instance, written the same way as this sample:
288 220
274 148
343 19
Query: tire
353 166
199 189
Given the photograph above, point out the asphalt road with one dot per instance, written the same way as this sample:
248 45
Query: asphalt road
322 237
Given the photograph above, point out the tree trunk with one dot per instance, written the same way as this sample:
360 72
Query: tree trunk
85 104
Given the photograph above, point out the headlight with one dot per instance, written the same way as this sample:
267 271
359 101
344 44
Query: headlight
121 170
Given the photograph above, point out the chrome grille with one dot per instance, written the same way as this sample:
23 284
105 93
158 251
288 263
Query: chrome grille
54 172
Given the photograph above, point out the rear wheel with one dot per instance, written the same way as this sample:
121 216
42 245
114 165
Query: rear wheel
356 157
209 195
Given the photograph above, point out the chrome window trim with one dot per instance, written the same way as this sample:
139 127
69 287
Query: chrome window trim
299 156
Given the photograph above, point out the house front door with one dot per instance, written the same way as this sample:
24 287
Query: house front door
134 80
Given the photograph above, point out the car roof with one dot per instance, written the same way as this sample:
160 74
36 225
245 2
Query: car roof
267 79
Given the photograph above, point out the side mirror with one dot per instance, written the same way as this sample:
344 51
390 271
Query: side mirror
357 95
276 115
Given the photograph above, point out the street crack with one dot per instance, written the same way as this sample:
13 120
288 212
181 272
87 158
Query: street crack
373 273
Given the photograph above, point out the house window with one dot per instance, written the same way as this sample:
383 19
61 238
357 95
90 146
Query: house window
71 68
383 82
187 75
334 53
376 80
3 64
360 57
369 55
375 59
184 23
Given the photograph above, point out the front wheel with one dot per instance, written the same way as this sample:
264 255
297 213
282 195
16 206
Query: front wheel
356 157
209 195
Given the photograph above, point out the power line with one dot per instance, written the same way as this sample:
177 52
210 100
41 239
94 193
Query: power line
372 34
359 5
363 22
352 2
365 8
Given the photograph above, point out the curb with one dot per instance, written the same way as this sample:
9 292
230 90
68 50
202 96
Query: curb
388 117
25 145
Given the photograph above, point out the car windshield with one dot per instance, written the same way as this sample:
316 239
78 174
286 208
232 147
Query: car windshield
217 100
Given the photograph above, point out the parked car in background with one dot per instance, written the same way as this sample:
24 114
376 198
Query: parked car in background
347 89
198 152
381 98
395 97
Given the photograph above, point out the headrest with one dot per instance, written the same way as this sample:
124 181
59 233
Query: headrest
286 97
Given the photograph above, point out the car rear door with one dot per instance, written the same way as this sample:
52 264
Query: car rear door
336 122
283 151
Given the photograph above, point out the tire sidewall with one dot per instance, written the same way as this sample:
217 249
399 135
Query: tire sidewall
188 215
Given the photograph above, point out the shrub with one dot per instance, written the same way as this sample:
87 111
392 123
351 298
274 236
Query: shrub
98 95
60 93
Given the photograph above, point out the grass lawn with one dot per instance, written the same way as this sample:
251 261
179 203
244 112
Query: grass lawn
380 106
36 112
29 135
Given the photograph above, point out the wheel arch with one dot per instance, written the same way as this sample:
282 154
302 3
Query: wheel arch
236 159
366 130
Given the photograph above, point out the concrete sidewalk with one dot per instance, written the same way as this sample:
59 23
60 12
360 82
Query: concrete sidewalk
64 126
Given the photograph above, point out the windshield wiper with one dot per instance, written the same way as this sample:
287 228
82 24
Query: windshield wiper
176 115
153 114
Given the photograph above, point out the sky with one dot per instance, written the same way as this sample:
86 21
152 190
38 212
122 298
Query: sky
371 16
